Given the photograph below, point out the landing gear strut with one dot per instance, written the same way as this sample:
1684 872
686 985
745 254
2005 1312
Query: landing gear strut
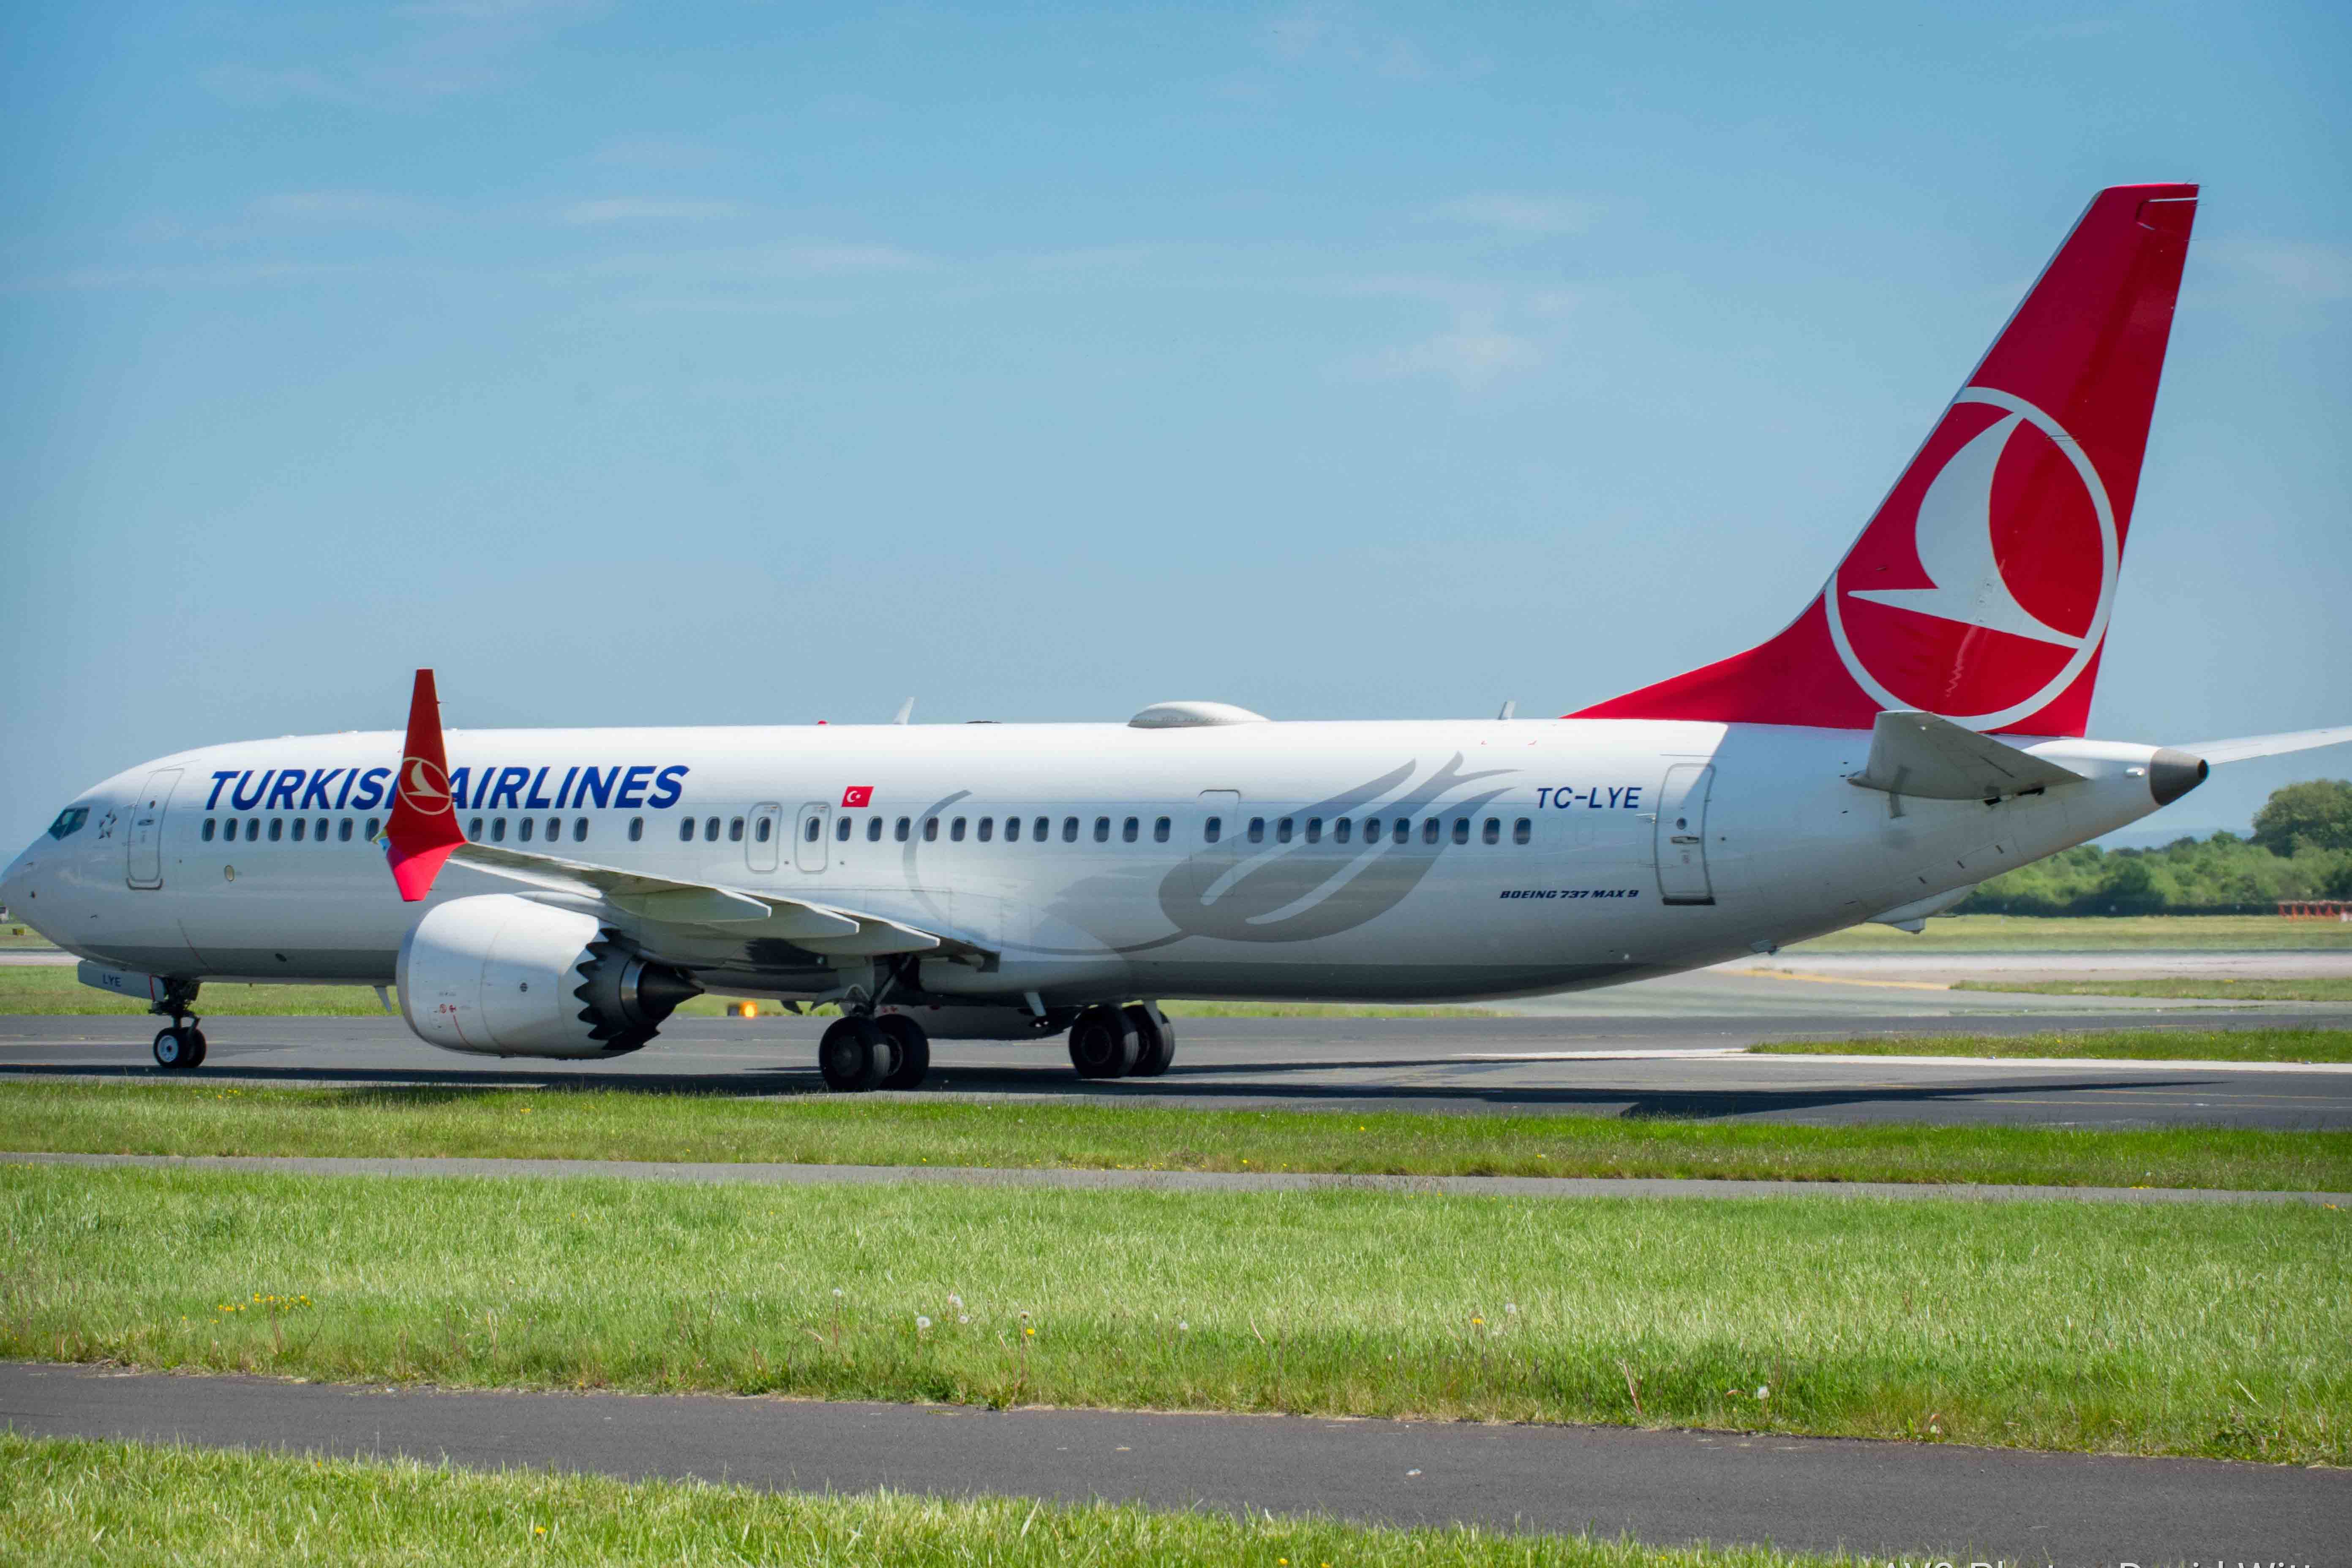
180 1047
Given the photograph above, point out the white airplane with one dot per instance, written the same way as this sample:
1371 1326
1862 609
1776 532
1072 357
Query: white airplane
1918 728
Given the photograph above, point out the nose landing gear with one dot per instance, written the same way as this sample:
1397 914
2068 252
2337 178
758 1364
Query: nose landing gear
180 1047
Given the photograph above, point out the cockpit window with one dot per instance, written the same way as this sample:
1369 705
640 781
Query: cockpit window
69 821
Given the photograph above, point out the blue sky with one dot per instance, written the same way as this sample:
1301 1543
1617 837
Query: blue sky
769 363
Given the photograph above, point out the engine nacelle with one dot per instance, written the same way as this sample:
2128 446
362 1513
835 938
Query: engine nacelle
501 976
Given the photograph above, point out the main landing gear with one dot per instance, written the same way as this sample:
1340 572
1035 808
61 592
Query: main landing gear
180 1047
864 1051
1134 1042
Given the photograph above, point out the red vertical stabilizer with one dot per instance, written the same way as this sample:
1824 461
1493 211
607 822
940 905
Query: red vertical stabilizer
424 826
1981 589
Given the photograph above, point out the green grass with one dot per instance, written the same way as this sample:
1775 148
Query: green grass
2318 1045
71 1500
1320 1010
2056 1325
200 1119
14 934
2084 933
2309 988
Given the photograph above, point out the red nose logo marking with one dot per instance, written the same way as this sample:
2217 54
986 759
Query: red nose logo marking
1980 590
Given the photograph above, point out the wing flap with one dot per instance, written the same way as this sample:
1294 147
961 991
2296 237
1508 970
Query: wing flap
1932 759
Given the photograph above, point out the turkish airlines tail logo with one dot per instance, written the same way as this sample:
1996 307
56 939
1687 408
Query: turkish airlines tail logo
1954 535
422 830
1982 588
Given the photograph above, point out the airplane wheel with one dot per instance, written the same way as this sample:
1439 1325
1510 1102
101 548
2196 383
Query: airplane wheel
1103 1043
178 1049
1158 1037
914 1045
854 1056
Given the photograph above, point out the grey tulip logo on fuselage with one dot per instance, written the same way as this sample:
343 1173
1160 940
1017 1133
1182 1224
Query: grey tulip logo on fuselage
1242 893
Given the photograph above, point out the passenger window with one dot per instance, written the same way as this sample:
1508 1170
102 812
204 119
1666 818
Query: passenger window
1521 830
987 829
1402 832
1069 830
841 830
710 830
498 829
1102 830
636 829
1257 829
766 829
579 830
211 827
373 823
1314 829
299 825
1340 831
1430 828
955 832
277 828
1041 828
1160 829
686 832
1461 830
1129 830
344 831
1211 828
522 830
735 831
930 829
473 831
873 831
1282 831
900 831
554 829
252 829
1012 830
809 830
1492 833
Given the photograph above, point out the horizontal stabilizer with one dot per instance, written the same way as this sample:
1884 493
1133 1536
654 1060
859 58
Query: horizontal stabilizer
1933 758
2246 747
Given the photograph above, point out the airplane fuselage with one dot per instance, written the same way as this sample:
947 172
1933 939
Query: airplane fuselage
1416 861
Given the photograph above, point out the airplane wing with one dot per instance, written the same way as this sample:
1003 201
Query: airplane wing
1933 758
818 927
422 835
2246 747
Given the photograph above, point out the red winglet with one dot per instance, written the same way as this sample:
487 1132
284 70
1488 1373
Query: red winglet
423 827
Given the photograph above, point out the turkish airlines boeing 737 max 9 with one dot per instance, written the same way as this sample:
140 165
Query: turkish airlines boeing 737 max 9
557 893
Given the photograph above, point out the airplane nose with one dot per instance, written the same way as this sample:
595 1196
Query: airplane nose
12 884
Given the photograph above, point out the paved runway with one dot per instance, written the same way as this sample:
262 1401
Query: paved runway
1887 1500
1665 1066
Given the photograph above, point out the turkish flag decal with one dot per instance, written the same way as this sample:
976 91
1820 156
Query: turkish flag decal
856 795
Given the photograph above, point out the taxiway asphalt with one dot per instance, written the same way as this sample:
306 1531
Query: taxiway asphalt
1923 1502
1675 1065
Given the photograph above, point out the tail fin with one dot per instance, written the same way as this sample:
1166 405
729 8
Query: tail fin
423 829
1981 590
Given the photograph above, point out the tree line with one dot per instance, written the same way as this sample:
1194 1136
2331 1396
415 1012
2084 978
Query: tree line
2301 847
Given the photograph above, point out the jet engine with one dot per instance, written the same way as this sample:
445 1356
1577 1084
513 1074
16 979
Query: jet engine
502 976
